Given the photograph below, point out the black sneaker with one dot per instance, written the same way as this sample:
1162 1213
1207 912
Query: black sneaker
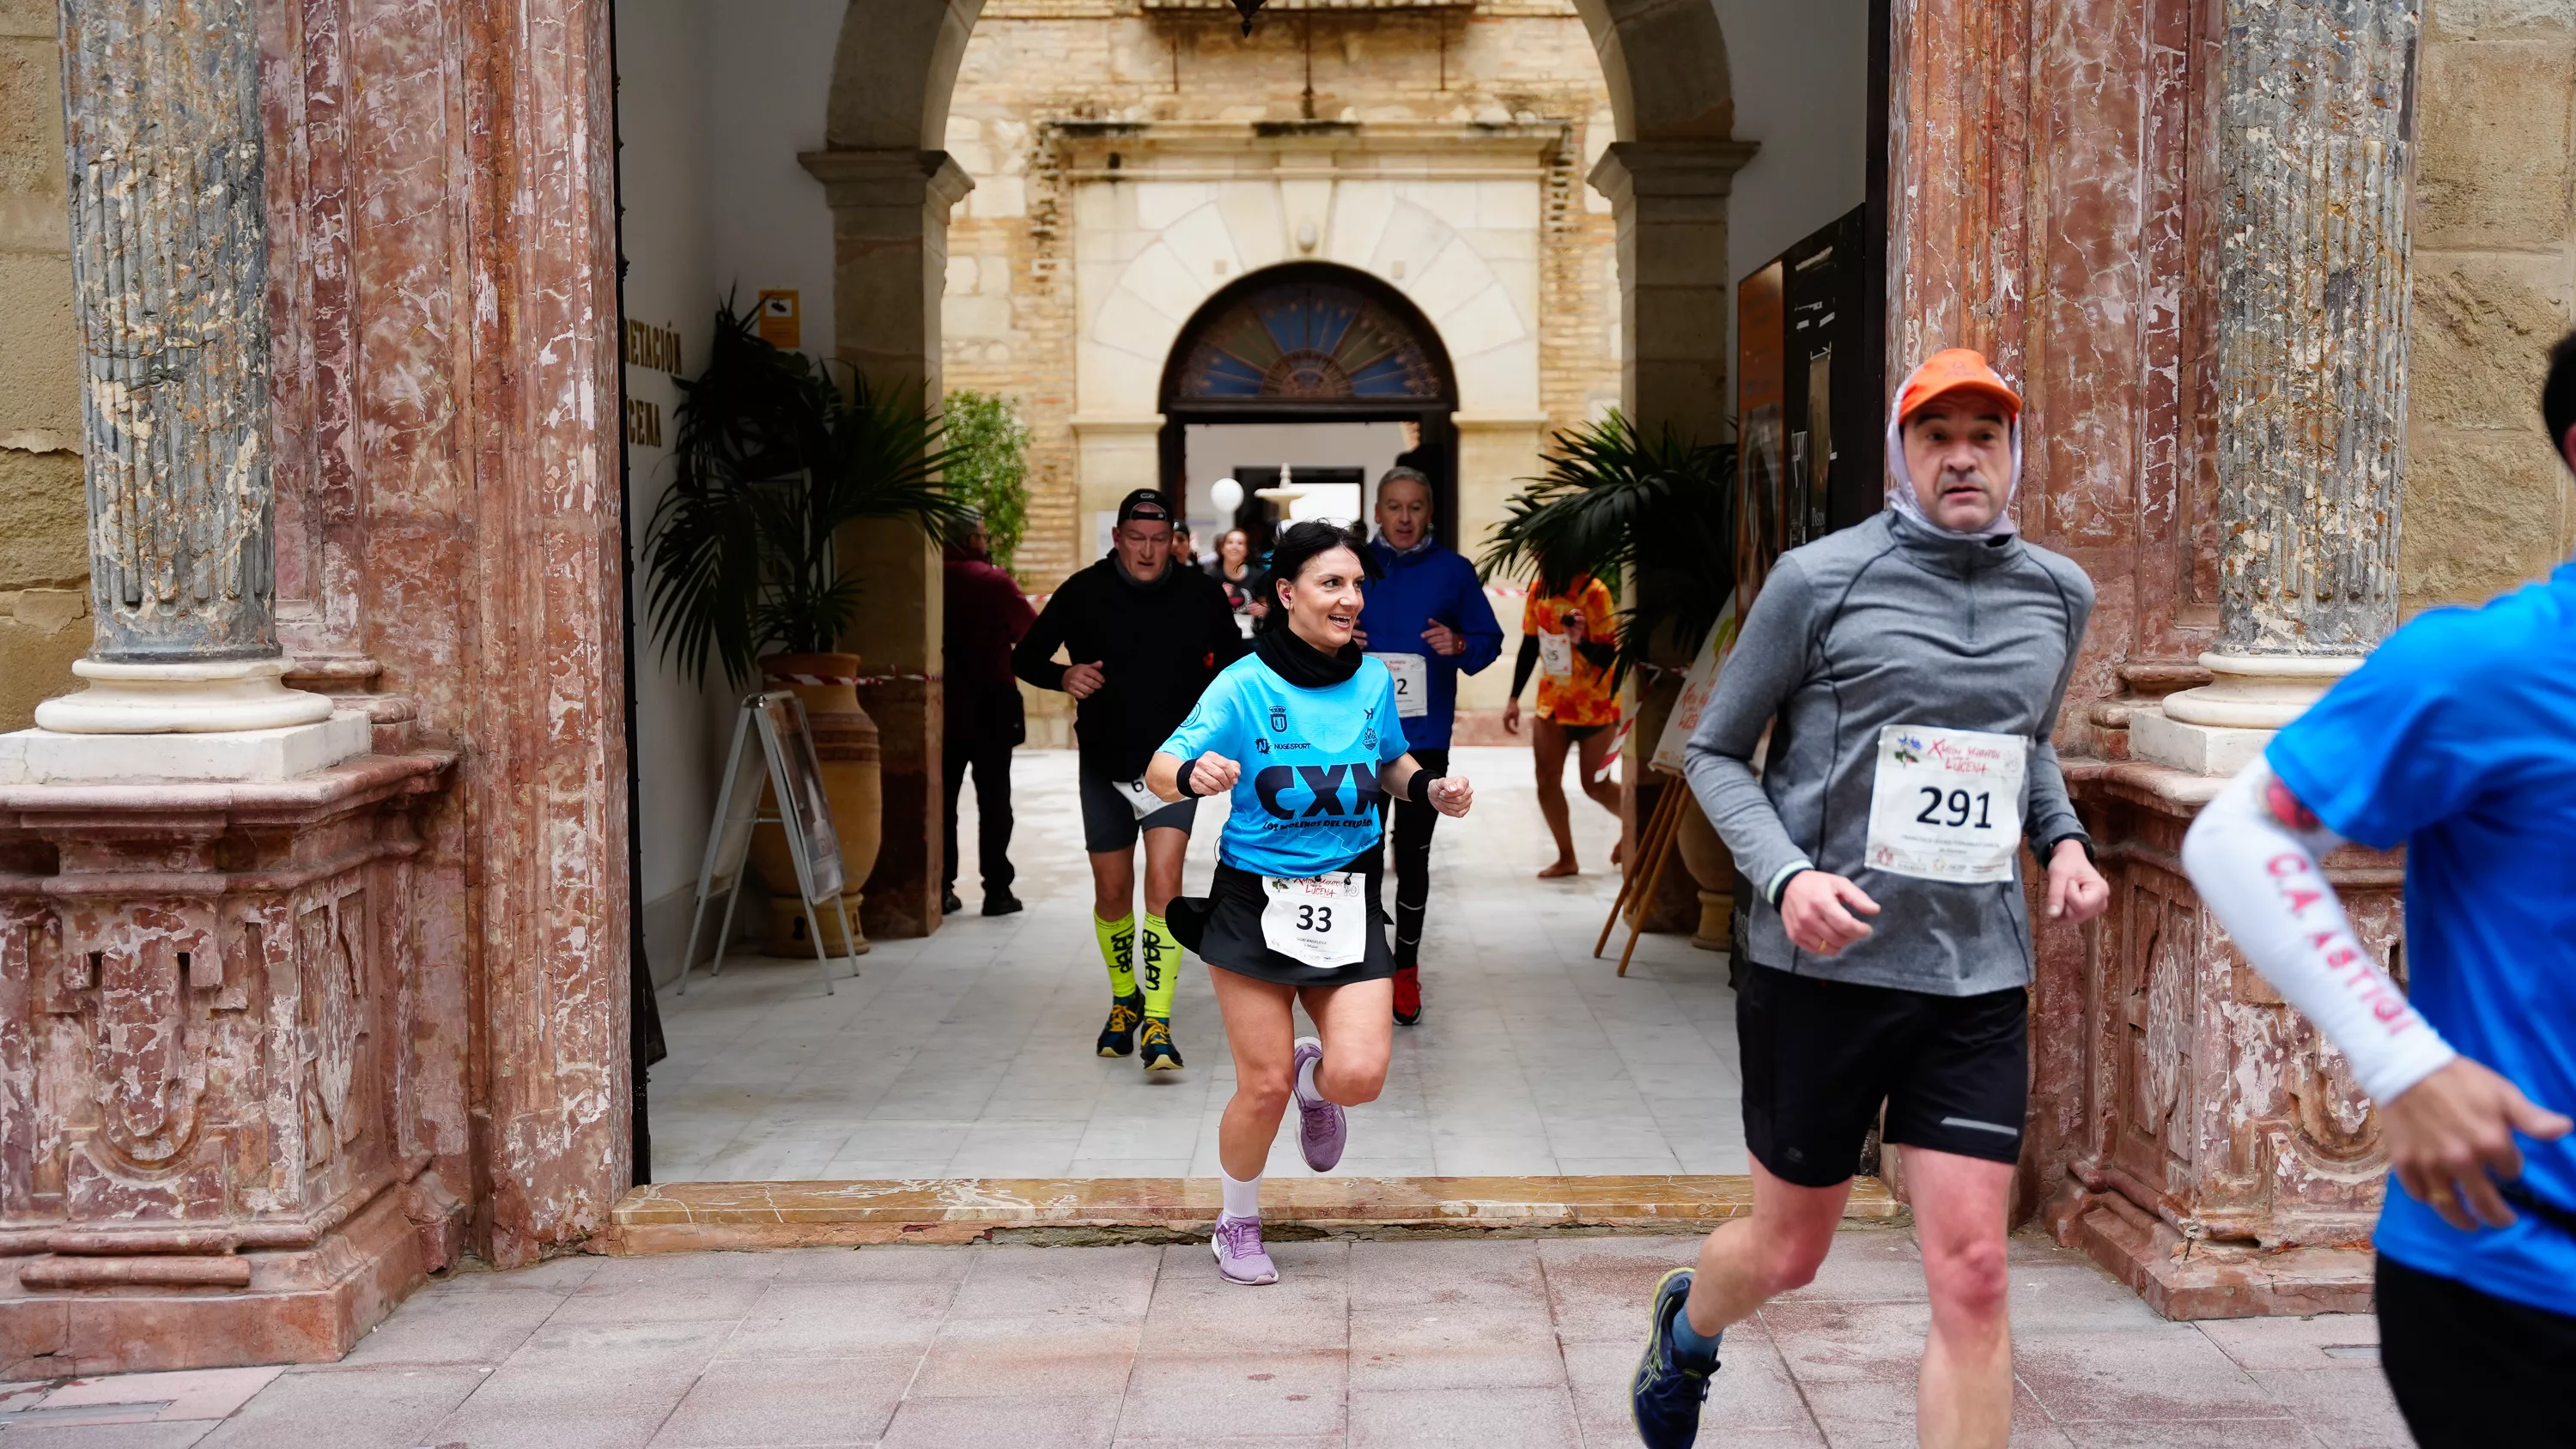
1155 1046
1118 1038
1665 1396
1000 903
949 905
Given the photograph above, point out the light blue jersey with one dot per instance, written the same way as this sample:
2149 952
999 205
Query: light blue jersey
2458 739
1307 800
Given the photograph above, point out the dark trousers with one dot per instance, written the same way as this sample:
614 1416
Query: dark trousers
1412 866
2470 1370
990 759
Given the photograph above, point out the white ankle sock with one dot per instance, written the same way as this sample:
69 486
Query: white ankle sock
1306 1080
1242 1199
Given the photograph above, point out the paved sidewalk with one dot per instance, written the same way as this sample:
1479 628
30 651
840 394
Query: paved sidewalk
970 1053
1489 1343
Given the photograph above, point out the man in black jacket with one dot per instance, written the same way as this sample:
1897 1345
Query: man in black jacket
1144 634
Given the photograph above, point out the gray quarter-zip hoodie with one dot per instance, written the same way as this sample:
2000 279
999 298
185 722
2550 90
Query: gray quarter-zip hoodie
1889 622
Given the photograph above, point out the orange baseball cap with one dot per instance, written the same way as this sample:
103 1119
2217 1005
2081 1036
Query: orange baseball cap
1955 369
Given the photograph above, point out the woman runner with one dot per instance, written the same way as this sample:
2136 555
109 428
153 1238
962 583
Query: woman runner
1293 916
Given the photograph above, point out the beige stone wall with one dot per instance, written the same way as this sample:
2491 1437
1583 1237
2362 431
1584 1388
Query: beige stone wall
2487 503
1041 250
44 544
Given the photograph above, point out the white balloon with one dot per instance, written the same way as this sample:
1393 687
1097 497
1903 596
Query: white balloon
1227 494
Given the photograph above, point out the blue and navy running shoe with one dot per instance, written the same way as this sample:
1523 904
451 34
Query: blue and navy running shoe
1665 1396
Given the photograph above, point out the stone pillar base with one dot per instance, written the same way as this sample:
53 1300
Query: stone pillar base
181 697
2209 1279
2159 739
50 757
68 1314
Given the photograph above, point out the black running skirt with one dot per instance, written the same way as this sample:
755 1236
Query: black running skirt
1224 928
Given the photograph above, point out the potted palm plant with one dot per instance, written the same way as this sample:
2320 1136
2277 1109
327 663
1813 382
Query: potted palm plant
1654 518
774 457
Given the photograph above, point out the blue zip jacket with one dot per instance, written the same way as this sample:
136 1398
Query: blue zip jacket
1436 585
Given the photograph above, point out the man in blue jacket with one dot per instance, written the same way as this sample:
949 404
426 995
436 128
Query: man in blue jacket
1428 620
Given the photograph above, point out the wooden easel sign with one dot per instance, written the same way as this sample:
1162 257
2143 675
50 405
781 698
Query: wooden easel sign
777 719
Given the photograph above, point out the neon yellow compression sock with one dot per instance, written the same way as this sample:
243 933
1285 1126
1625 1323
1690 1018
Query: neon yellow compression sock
1162 967
1118 948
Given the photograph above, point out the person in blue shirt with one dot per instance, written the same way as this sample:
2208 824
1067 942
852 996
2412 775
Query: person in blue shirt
1427 620
2457 740
1304 734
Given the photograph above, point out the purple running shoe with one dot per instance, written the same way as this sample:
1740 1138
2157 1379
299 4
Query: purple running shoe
1240 1258
1322 1130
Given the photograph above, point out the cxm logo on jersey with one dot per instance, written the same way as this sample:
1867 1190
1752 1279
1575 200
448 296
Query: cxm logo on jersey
1344 794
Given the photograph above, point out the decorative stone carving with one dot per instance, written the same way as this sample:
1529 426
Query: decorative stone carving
2222 1162
204 1000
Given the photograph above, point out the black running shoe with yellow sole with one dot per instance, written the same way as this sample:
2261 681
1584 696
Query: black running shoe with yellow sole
1118 1038
1154 1046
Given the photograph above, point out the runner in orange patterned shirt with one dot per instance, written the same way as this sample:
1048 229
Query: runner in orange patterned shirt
1569 639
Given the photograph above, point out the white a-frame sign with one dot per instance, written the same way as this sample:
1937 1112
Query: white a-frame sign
796 777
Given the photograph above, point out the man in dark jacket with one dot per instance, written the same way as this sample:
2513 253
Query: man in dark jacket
986 615
1428 620
1144 633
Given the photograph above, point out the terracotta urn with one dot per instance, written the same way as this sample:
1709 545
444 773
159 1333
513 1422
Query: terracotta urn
845 743
1706 857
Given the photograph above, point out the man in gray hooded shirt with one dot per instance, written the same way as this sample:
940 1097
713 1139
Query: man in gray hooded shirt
1909 672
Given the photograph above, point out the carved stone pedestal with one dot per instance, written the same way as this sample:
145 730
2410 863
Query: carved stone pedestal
2207 1145
208 1005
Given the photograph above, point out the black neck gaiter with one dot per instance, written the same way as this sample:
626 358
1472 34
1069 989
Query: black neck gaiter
1301 663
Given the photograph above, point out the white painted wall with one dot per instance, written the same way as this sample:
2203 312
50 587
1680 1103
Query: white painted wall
767 73
661 122
714 102
1801 79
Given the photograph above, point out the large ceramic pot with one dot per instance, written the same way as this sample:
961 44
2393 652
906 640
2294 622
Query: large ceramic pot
1705 856
845 742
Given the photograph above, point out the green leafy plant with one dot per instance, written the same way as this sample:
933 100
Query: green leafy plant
988 466
1653 518
773 457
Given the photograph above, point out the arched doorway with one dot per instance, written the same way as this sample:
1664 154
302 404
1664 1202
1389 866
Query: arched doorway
1310 343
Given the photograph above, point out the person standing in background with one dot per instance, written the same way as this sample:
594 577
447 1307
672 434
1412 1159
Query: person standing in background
984 722
1570 640
1428 622
1232 569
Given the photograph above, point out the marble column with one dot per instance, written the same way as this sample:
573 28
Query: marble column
169 246
2314 158
890 264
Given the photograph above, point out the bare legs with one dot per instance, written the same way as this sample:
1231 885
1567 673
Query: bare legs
1113 875
1548 742
1357 1024
1964 1398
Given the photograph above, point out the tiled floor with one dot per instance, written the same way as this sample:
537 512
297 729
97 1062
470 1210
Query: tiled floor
1496 1344
970 1053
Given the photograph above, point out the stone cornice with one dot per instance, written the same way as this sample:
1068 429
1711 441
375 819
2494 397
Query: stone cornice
1308 150
198 807
893 176
1630 169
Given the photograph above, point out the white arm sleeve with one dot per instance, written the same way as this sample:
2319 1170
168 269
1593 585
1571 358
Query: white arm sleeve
2261 879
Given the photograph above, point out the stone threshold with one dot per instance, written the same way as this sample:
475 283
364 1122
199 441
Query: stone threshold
698 1216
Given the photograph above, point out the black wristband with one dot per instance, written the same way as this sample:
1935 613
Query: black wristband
1418 789
1182 780
2080 838
1780 892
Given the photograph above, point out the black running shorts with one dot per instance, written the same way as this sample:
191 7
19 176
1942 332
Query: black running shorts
1110 823
1821 1056
2471 1370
